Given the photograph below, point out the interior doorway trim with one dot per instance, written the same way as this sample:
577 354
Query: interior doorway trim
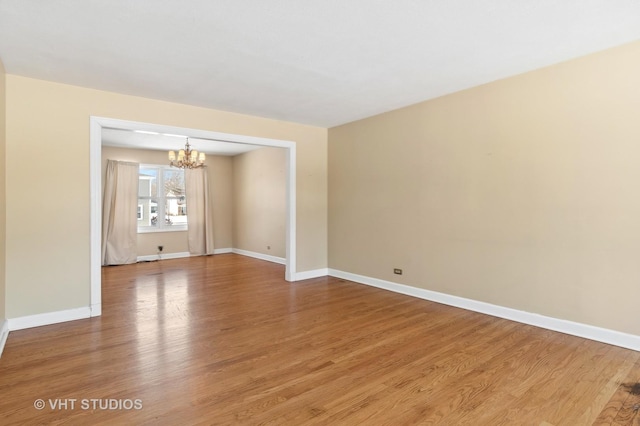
95 158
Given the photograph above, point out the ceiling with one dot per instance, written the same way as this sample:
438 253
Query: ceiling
322 63
169 142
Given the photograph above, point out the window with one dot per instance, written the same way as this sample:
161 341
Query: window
161 199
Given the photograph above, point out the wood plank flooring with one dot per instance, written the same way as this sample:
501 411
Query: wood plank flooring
225 340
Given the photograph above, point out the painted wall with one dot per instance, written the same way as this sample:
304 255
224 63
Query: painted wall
220 181
259 208
48 203
523 193
3 201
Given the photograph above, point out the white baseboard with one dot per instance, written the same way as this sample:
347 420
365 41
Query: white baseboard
48 318
222 251
163 256
4 333
96 309
304 275
267 257
315 273
629 341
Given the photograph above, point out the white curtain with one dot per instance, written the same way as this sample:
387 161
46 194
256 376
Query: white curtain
120 213
199 212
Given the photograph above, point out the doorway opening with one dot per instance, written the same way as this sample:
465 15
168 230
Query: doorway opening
97 124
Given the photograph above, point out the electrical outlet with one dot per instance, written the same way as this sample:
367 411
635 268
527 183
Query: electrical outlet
160 248
397 271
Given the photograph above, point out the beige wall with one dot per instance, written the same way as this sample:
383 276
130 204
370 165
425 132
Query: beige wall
2 194
259 209
221 187
48 203
220 182
523 193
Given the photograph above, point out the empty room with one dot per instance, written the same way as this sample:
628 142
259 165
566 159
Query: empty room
296 213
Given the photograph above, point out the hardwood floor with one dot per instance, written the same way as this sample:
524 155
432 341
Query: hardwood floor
225 340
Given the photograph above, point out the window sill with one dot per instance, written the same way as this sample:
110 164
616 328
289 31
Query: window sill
155 230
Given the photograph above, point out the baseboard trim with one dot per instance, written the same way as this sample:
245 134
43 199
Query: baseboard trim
261 256
96 309
222 251
4 333
48 318
267 257
612 337
163 256
315 273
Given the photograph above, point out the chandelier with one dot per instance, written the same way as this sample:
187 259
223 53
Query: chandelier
187 158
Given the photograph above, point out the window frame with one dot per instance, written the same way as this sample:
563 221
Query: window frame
161 202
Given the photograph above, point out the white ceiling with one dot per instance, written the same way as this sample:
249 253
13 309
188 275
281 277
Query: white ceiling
166 142
316 62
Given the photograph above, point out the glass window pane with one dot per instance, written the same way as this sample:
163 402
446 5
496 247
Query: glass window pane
144 212
174 183
147 182
176 210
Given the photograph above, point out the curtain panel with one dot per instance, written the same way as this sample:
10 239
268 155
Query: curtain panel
119 213
199 212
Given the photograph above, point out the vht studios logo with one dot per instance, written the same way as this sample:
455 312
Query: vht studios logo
88 404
